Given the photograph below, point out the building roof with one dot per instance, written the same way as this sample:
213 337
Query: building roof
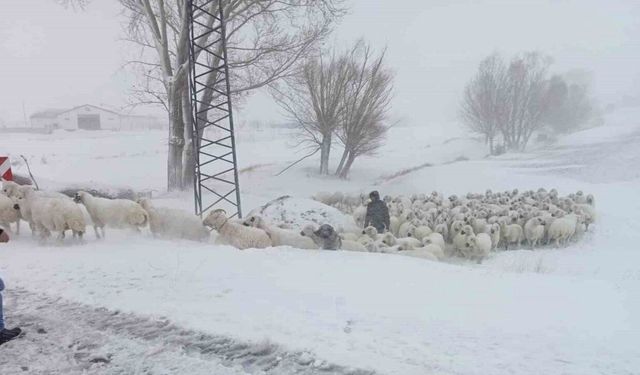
91 105
55 112
48 113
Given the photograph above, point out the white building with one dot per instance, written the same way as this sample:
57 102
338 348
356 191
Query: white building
91 117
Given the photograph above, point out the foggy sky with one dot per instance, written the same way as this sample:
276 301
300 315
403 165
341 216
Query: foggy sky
56 57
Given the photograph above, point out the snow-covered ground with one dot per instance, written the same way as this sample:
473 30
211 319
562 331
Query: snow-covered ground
554 311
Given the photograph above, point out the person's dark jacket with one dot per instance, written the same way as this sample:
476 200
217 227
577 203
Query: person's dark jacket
377 215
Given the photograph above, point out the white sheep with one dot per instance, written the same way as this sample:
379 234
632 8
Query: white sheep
421 231
511 233
460 242
534 231
408 243
279 236
562 230
9 213
350 236
443 229
394 223
366 241
26 195
479 225
359 215
435 239
405 229
433 249
173 223
588 213
117 213
354 246
57 215
236 234
372 233
480 245
493 230
326 238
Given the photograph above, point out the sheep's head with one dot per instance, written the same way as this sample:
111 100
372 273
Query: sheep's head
144 202
388 239
370 231
467 230
80 196
252 221
215 219
325 231
9 187
470 243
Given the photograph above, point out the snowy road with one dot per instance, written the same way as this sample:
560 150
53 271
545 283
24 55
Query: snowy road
68 338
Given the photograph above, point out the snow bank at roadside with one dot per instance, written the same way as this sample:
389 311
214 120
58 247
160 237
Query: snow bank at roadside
295 213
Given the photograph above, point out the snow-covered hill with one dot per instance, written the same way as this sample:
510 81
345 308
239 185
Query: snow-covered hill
554 311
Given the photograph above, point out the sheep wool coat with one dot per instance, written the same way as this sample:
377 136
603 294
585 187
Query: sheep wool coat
377 215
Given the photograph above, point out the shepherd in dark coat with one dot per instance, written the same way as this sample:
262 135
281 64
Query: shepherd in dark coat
377 213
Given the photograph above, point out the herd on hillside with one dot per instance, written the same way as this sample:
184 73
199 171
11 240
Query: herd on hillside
425 226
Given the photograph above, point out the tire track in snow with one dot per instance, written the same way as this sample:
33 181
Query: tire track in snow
64 337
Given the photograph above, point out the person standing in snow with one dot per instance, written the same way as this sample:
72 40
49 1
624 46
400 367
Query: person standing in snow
377 213
6 334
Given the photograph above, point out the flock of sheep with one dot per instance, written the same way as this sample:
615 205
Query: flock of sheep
50 213
471 226
425 226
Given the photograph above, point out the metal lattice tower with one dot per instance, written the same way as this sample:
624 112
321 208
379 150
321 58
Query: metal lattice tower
216 169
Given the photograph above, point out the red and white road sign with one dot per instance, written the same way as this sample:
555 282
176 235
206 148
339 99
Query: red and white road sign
5 168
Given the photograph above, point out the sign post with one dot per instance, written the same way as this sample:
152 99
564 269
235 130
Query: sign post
5 169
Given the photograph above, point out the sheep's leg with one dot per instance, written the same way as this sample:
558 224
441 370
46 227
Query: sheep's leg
33 229
18 227
61 237
44 234
104 235
95 229
79 236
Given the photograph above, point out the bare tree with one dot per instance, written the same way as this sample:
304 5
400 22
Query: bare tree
313 99
74 4
527 98
266 38
366 103
483 106
511 100
570 105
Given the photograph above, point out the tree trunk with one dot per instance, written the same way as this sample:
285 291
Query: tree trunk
176 142
325 151
343 160
347 167
188 154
